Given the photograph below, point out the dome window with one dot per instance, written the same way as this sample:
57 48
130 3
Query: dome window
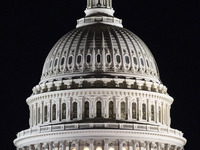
118 59
79 59
98 113
50 64
62 61
127 59
144 112
56 62
70 60
147 62
75 112
87 110
54 112
88 59
142 61
108 58
135 60
98 58
64 111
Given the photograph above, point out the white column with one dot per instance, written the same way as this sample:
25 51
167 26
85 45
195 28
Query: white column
147 145
148 111
162 113
134 145
51 146
91 144
80 106
77 144
106 144
49 112
156 112
120 144
139 111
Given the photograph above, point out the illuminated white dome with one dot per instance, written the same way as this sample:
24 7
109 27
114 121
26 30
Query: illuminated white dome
100 90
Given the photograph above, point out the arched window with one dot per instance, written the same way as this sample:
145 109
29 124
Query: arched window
159 109
98 58
118 59
62 61
88 60
144 112
74 114
63 110
54 112
108 58
38 115
56 62
111 112
147 62
135 60
152 112
50 64
70 60
45 113
134 110
79 59
98 109
142 61
127 59
87 111
123 110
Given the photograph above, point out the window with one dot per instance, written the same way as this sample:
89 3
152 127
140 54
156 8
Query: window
159 109
64 111
87 112
118 59
74 114
70 60
134 110
144 114
62 61
123 110
152 112
142 62
88 59
79 59
135 60
108 58
56 62
54 112
127 59
50 64
147 62
98 109
111 112
39 115
98 58
45 113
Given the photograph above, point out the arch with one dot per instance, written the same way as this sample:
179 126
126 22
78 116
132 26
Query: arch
99 111
144 112
64 111
134 110
74 111
45 113
111 109
87 110
123 110
152 113
54 112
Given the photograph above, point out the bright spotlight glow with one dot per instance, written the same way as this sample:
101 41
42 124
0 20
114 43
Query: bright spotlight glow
86 148
124 148
111 148
99 148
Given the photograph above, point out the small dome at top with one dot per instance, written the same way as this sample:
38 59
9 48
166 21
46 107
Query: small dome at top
100 50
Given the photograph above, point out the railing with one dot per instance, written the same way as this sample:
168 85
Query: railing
122 126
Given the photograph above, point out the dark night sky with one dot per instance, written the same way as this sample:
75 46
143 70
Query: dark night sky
30 28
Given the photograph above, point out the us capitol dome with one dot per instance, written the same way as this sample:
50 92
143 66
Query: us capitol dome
100 89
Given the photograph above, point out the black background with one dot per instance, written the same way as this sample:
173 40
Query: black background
29 29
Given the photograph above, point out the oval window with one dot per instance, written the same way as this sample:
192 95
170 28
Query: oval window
147 62
62 61
108 59
98 58
50 64
70 60
142 62
118 59
88 59
127 59
79 59
56 62
135 60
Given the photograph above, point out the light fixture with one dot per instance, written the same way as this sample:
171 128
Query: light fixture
99 148
111 148
86 148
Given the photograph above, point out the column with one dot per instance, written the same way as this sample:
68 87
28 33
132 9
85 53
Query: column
162 113
106 144
168 147
147 145
56 146
117 108
41 112
127 108
77 144
51 146
156 111
91 144
31 116
92 108
139 113
120 144
130 145
134 145
80 106
49 112
148 111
